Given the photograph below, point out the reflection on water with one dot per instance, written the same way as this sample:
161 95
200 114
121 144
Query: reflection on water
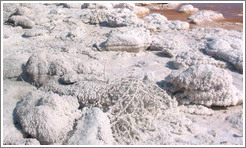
233 12
229 10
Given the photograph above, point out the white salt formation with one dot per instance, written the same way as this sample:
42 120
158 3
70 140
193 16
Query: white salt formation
22 11
40 69
20 17
179 25
137 104
71 5
228 49
164 6
187 9
99 70
123 17
124 99
96 6
140 11
196 109
186 59
204 84
47 116
131 40
22 21
90 93
42 66
205 16
157 22
109 16
13 92
170 44
92 128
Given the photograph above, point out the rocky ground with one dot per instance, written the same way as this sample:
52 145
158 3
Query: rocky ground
117 74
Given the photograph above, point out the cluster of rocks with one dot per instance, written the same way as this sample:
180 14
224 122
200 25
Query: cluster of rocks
76 104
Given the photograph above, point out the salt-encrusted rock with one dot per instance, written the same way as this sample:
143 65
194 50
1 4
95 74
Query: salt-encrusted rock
112 17
88 6
187 9
93 16
129 6
22 11
123 17
37 68
229 49
22 21
196 109
189 58
205 16
41 66
47 116
205 85
179 25
8 10
171 5
157 22
71 5
13 91
155 18
90 93
69 78
93 128
96 6
127 39
141 11
165 6
169 43
32 33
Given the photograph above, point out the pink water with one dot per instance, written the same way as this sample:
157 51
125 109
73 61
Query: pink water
233 12
229 10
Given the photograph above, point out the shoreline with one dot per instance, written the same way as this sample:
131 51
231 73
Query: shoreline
230 22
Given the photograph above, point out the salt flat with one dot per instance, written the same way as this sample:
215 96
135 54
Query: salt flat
79 74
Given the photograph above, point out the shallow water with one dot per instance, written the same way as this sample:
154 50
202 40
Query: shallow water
233 12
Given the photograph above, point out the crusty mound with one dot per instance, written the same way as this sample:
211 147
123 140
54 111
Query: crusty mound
47 116
186 59
205 85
